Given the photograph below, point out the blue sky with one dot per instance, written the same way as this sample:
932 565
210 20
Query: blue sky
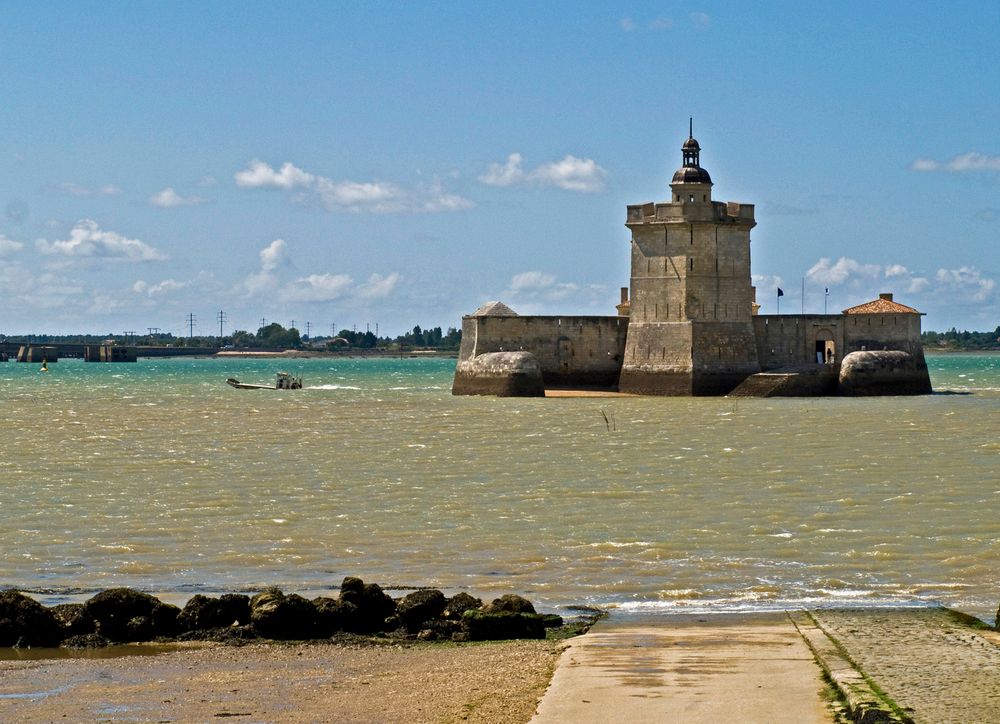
401 164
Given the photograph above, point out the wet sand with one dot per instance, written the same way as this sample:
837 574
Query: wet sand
488 682
559 392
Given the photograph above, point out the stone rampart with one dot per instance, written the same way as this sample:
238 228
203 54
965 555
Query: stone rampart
791 340
572 351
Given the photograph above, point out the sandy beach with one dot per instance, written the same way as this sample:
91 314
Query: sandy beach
488 682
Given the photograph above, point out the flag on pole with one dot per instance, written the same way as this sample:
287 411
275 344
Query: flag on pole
781 292
826 291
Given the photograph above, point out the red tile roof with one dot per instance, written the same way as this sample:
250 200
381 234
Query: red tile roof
881 306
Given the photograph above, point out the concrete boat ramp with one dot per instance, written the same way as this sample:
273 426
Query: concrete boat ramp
837 665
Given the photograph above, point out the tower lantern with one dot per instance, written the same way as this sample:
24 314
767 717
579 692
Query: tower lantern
691 183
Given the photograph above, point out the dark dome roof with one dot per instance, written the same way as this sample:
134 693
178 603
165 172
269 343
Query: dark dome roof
691 145
691 175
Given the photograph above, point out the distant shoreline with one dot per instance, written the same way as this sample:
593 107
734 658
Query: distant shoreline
301 353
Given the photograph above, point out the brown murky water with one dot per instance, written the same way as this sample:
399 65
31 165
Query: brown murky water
157 475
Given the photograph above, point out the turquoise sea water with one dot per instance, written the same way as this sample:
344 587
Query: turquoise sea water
158 475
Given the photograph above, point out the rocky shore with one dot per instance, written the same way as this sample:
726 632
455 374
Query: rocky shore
124 615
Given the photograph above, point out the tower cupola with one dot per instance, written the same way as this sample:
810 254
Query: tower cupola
691 172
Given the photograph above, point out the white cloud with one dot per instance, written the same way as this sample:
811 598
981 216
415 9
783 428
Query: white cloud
532 280
317 288
74 189
378 197
378 286
167 286
661 23
313 288
570 173
963 163
260 175
87 239
966 281
627 24
8 246
768 282
842 271
535 292
168 199
436 198
273 255
259 283
702 21
945 288
20 285
505 174
208 181
924 164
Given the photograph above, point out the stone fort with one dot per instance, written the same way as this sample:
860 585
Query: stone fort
688 323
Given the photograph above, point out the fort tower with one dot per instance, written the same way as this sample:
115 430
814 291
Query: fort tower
690 328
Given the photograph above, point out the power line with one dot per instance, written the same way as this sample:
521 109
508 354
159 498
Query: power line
221 316
190 323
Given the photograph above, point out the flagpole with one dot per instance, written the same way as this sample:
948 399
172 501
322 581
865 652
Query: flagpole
803 295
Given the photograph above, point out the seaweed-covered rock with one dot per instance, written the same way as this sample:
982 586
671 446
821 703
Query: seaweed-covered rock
277 616
511 602
420 606
459 604
441 628
86 641
26 622
236 635
202 613
374 605
124 614
73 619
333 615
498 625
551 620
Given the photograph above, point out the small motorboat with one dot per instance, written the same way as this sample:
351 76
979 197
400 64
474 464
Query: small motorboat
284 381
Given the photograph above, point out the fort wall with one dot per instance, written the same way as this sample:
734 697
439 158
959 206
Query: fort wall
883 332
572 351
789 340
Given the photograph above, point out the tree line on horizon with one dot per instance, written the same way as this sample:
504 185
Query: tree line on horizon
271 336
965 340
